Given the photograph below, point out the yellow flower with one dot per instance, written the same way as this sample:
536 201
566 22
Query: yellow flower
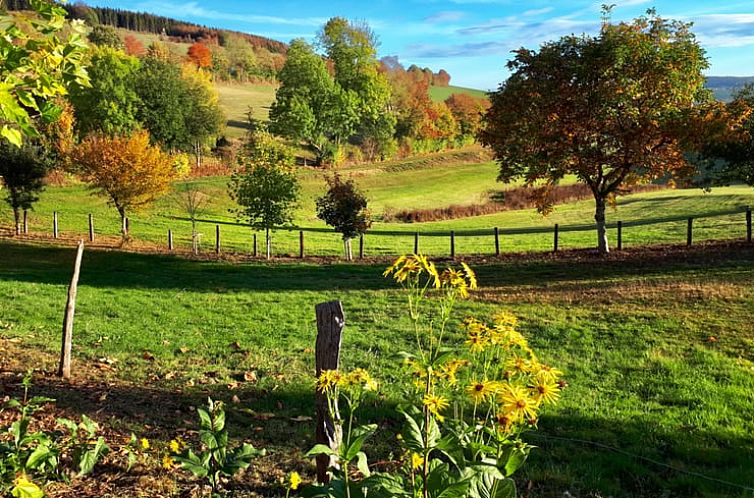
328 380
392 268
144 443
518 364
549 373
294 480
479 390
517 403
544 390
167 462
470 276
476 341
416 461
436 404
449 371
175 446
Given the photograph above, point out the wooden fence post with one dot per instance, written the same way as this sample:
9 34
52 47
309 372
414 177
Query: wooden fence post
748 224
170 240
416 242
91 228
690 232
217 239
361 246
64 369
497 241
55 224
452 243
26 222
555 238
255 251
620 235
330 323
301 244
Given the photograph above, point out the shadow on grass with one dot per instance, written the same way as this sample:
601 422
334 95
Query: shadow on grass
113 269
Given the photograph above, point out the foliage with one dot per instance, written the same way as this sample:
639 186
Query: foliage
467 111
203 116
265 187
194 203
127 169
45 455
105 36
22 170
344 207
200 55
309 106
133 46
730 158
494 383
37 64
111 103
613 109
216 460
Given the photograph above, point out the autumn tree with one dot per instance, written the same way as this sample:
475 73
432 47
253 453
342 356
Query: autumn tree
729 158
200 55
133 46
194 203
41 58
110 104
441 78
468 112
611 109
266 188
127 169
202 115
344 207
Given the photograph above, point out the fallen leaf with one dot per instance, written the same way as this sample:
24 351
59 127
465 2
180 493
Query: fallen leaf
250 376
183 350
148 356
235 345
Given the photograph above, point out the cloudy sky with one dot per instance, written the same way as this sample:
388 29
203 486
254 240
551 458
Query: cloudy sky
472 39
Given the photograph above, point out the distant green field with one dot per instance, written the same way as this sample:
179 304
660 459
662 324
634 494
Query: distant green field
235 101
440 93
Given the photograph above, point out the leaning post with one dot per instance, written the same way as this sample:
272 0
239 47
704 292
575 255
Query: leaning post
64 369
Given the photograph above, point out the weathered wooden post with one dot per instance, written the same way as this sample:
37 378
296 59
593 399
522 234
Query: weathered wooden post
330 324
361 246
170 240
255 249
55 224
217 239
91 228
301 244
416 242
64 369
555 238
127 225
497 241
620 235
452 243
748 224
690 232
26 222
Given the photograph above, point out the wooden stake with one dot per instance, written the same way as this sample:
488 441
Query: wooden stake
256 249
91 228
452 243
55 224
620 235
26 222
64 369
690 232
416 242
555 238
301 244
497 241
170 240
748 224
330 324
217 239
361 246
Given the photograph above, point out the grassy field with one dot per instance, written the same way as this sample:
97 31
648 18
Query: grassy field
651 404
425 182
440 93
235 101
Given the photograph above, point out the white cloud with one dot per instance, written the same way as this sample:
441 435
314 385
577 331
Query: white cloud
193 9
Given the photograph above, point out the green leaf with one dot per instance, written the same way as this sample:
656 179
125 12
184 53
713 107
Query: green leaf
27 489
362 464
321 449
38 457
206 422
90 458
12 135
359 435
412 434
515 460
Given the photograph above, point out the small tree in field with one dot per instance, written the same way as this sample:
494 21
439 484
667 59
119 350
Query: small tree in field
344 207
612 110
194 202
22 173
127 169
266 188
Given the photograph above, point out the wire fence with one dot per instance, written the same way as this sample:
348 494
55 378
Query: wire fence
226 236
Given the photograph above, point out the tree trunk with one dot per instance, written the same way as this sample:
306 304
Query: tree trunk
599 217
17 217
269 243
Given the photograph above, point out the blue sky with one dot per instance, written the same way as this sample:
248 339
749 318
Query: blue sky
471 39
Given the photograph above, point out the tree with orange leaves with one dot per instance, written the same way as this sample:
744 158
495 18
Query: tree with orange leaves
133 46
468 112
612 109
200 55
127 169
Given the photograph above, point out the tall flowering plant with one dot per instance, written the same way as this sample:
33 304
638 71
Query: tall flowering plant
469 400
